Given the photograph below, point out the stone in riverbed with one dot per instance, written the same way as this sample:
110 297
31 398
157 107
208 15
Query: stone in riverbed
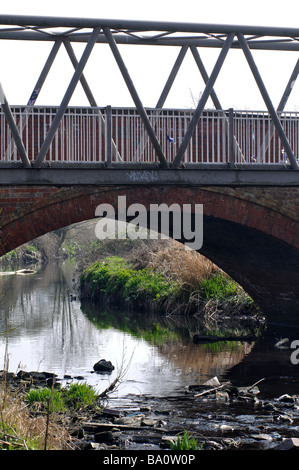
288 444
104 436
103 366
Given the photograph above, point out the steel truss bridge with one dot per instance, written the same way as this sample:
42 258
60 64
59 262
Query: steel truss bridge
63 144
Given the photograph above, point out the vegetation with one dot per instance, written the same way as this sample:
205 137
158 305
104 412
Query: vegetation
173 280
114 279
22 430
75 397
184 443
24 419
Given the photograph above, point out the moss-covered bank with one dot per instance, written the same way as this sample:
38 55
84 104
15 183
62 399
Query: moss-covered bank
115 280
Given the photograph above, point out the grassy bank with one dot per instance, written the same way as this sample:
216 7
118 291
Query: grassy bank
116 281
167 282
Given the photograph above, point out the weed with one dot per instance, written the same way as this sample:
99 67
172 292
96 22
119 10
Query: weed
42 398
79 396
76 396
184 443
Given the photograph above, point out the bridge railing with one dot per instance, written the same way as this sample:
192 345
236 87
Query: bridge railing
94 135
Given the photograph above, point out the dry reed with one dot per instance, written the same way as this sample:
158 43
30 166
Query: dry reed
20 430
187 268
170 258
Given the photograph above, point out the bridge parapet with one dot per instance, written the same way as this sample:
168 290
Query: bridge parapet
110 136
168 138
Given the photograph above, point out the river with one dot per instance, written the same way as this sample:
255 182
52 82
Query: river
45 327
50 330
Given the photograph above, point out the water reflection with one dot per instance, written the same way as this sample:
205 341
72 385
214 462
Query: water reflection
50 330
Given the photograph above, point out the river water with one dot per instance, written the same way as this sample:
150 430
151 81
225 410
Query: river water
48 329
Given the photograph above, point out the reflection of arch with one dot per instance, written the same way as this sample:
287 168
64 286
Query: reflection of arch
257 245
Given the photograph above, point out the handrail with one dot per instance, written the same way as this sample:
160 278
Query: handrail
86 135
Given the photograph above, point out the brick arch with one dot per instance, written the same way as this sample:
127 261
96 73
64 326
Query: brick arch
256 243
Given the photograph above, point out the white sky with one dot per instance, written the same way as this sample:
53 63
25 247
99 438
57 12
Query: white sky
149 66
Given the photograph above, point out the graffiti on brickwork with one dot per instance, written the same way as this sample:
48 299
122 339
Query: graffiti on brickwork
145 176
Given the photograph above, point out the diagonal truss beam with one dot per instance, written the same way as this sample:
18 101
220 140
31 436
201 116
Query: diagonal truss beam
135 97
172 76
14 130
281 106
37 88
89 94
267 100
69 92
116 32
165 92
214 97
204 97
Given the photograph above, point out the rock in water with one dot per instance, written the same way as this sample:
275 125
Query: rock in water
103 366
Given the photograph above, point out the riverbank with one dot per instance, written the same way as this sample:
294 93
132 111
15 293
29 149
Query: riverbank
159 275
211 416
171 264
169 281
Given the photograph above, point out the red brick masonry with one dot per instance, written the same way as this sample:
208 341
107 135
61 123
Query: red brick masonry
251 232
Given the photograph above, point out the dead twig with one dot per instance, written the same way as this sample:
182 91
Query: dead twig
205 392
255 384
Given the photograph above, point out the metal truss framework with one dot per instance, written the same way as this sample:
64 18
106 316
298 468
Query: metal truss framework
185 36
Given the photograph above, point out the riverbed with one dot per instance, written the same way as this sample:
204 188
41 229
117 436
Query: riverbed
49 329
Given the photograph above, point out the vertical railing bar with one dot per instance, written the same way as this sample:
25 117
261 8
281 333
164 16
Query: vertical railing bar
225 140
97 138
218 136
258 140
203 138
75 131
93 128
196 140
108 135
81 151
231 138
74 135
86 150
208 139
127 140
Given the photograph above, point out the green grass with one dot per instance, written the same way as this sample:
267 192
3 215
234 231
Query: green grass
222 289
79 395
114 279
184 443
76 396
9 440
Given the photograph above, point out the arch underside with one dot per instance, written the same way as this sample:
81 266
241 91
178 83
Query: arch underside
265 266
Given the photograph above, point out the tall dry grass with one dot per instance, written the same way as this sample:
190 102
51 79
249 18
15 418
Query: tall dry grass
171 258
188 269
19 430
